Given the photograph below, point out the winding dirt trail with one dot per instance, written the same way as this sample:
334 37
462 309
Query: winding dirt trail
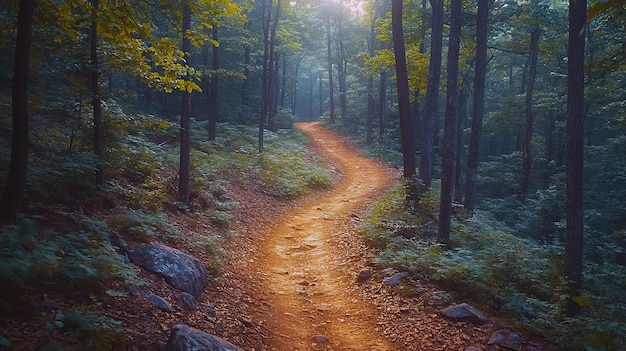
309 292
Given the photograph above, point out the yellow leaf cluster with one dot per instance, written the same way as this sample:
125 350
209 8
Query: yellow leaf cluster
130 40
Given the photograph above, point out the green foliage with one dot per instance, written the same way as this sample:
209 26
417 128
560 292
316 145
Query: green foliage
85 260
519 277
284 167
213 251
93 331
144 227
135 163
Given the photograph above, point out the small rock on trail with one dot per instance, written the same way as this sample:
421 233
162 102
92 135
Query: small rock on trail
184 338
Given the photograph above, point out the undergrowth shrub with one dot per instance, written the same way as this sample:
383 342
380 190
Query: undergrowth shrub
287 170
89 331
214 252
84 260
284 166
143 226
60 178
491 265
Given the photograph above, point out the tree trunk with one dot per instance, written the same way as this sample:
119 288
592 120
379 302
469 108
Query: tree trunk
432 96
331 98
371 104
526 157
94 79
575 145
341 74
458 167
213 95
406 125
480 72
245 85
310 114
18 168
272 89
382 104
266 16
283 85
184 172
321 93
449 132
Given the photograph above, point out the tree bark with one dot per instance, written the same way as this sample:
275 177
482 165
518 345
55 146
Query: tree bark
526 156
406 125
478 104
18 168
432 96
341 73
266 19
213 94
94 80
450 133
273 70
245 85
184 172
371 104
458 167
331 97
382 104
575 146
320 93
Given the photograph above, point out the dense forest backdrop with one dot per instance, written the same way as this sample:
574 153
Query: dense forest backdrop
99 97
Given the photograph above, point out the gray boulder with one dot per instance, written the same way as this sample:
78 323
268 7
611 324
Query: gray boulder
396 279
184 338
465 312
159 302
180 270
505 338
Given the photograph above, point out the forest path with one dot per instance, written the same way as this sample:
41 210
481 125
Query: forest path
300 263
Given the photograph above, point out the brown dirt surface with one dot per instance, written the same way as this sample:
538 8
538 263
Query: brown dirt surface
289 277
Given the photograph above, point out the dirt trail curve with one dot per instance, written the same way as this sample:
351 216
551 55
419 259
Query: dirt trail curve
309 292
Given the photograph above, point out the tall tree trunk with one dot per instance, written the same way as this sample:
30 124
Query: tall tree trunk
266 16
341 73
273 89
575 145
184 172
294 97
321 93
382 104
94 79
458 167
213 94
526 157
432 96
369 122
371 104
245 85
273 70
283 85
449 132
478 105
310 115
331 97
406 125
18 168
